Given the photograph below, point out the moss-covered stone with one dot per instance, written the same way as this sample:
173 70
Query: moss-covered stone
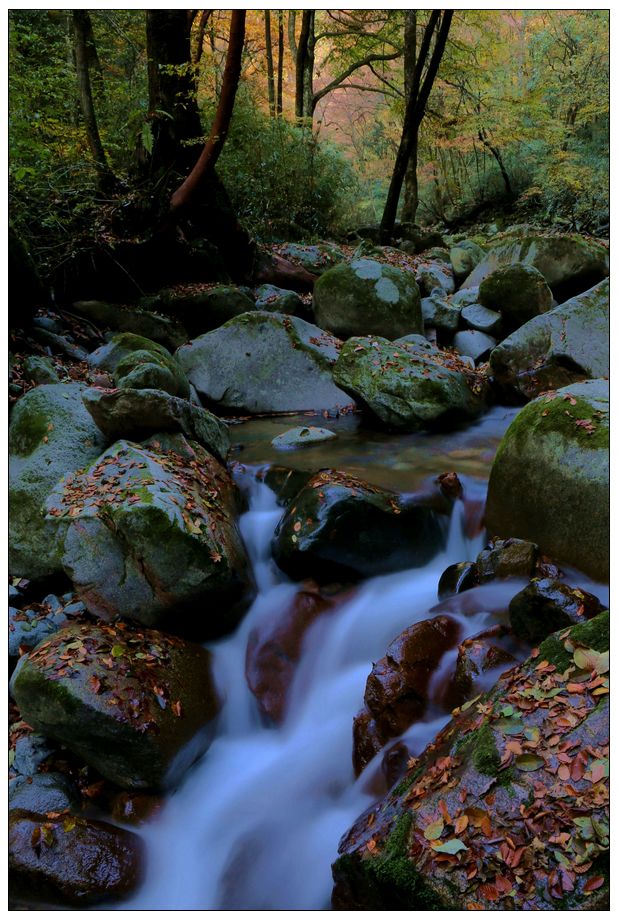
549 482
139 363
50 434
122 318
407 387
264 362
137 705
366 297
518 292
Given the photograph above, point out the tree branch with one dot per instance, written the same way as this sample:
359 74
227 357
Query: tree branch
349 71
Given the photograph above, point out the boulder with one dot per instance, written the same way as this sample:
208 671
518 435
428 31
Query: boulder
481 318
407 386
518 292
284 482
165 330
475 345
480 658
73 861
302 437
264 362
569 263
507 559
203 309
435 274
136 414
549 481
150 534
507 809
50 434
464 297
397 690
40 370
316 259
438 313
365 297
457 578
138 363
276 300
341 528
546 605
465 256
137 705
567 344
274 649
43 792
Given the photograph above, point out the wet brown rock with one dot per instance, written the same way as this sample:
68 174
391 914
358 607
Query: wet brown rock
65 860
546 605
396 693
479 655
507 558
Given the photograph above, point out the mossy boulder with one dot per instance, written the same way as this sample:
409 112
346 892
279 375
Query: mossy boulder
150 533
365 297
50 434
439 314
316 259
277 300
470 825
165 330
139 363
518 292
203 309
341 528
136 704
465 255
40 370
549 481
264 362
435 274
569 263
406 386
546 605
136 414
565 345
65 861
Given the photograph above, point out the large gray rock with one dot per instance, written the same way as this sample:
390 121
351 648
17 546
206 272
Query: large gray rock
482 319
519 292
435 274
549 481
264 362
165 330
439 313
136 414
317 259
366 297
150 534
40 370
138 705
568 344
50 434
205 309
277 300
465 256
138 363
405 386
569 263
476 345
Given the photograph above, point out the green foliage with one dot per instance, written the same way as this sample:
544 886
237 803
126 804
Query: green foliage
283 182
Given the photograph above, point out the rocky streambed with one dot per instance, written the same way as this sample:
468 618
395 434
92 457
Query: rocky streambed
319 593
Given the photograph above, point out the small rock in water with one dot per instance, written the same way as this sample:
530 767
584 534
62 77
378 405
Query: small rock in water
299 437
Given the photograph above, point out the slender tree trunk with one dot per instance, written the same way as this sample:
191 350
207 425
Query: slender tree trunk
80 32
415 110
201 31
292 33
308 71
280 65
495 152
410 191
301 59
94 62
269 63
186 194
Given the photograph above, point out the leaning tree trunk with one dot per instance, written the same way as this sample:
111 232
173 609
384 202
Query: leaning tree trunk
270 70
280 65
82 32
410 190
415 110
301 64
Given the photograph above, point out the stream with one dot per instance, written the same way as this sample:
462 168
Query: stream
257 821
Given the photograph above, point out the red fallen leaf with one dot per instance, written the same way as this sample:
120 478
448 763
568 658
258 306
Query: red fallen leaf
593 883
597 772
472 871
177 708
502 884
489 892
442 808
95 683
474 905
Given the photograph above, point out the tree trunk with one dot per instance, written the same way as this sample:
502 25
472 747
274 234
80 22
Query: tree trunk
280 65
495 152
292 33
173 113
80 33
415 110
410 191
201 31
269 63
308 71
94 62
187 193
301 63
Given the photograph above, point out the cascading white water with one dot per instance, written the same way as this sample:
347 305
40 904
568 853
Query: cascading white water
257 822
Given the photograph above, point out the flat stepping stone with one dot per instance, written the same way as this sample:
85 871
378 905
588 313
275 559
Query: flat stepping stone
301 437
